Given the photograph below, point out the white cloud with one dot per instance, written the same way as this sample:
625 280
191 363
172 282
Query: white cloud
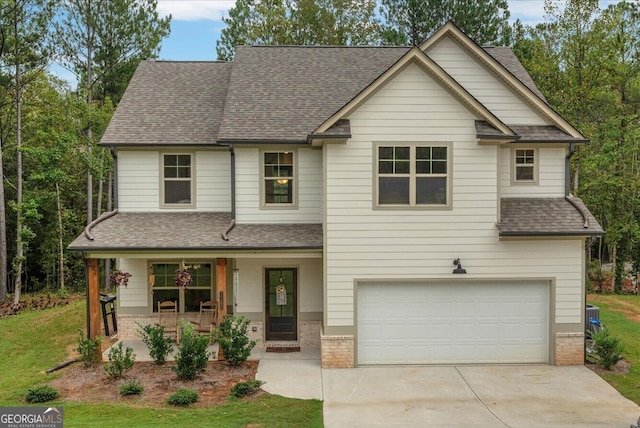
528 11
195 10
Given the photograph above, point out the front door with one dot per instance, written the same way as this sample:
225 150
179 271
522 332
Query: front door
281 304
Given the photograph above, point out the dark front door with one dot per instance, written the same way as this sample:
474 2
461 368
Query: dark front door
281 307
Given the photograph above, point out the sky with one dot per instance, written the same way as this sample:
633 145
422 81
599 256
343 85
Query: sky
196 26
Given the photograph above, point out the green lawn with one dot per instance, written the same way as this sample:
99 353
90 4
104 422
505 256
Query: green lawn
621 314
33 342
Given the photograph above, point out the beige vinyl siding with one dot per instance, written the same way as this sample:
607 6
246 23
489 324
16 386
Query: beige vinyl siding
308 207
483 85
413 244
213 180
250 298
550 180
136 293
139 180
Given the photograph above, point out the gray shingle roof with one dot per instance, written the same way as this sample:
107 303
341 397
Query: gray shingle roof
283 93
527 134
268 94
545 217
170 102
194 231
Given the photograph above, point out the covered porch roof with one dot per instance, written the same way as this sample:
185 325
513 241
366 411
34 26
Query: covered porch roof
193 231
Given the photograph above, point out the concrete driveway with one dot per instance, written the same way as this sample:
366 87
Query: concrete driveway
473 396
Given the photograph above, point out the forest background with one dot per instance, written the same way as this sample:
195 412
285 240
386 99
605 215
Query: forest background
56 179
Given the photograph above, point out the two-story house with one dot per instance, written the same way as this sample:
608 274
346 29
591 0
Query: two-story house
390 205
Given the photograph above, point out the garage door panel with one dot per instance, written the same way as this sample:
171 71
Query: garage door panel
452 323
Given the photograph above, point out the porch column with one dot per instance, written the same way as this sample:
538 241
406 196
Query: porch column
93 299
221 287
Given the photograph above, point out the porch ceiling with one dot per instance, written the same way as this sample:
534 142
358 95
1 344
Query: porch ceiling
194 231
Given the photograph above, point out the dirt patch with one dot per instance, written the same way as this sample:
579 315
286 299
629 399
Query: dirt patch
91 385
622 367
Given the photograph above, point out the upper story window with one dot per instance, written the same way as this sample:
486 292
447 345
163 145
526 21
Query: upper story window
413 175
279 178
524 166
177 180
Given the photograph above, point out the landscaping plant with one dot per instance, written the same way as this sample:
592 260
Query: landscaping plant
233 339
88 349
242 389
183 397
608 349
119 362
192 356
133 387
40 394
159 345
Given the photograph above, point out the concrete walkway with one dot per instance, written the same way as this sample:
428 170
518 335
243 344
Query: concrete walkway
513 396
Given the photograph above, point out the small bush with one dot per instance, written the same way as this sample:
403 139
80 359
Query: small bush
183 397
192 356
88 349
159 345
242 389
608 349
233 339
133 387
119 362
40 394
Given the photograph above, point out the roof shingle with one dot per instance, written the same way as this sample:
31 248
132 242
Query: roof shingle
194 231
545 217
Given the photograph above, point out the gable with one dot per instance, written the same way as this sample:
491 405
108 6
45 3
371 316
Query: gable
483 84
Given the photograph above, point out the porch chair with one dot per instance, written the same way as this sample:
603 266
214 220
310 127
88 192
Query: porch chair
168 318
208 317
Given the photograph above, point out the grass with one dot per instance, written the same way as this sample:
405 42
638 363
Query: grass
33 342
621 314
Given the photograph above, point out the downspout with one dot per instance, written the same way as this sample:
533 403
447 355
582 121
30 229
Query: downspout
232 223
567 186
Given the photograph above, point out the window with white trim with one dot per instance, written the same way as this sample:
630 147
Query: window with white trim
163 285
413 175
279 178
524 166
177 180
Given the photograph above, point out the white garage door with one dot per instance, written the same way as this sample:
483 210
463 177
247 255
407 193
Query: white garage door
453 323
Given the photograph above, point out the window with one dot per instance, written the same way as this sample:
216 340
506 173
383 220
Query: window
279 178
164 288
177 181
524 166
413 175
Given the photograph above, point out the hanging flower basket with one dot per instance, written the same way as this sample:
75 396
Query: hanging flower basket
119 278
183 278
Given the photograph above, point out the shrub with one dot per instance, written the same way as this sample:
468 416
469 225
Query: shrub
183 397
233 339
608 349
40 394
242 389
192 356
89 349
119 362
133 387
159 345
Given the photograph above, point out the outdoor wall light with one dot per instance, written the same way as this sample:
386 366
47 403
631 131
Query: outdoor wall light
459 268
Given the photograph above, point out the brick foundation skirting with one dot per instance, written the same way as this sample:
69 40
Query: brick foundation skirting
569 349
337 352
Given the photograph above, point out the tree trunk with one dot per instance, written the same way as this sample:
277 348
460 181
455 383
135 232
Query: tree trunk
614 255
19 245
60 239
89 134
3 235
